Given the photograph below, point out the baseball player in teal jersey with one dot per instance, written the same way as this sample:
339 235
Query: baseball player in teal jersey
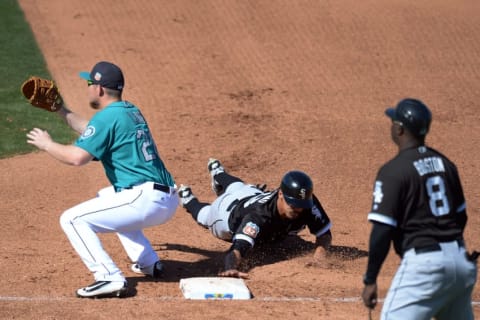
142 192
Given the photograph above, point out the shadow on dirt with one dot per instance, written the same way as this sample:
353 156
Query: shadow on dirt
294 247
175 270
265 254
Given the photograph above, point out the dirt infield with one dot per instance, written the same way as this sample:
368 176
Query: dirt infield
265 86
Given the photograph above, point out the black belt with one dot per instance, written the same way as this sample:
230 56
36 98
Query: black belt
434 247
429 248
161 187
156 186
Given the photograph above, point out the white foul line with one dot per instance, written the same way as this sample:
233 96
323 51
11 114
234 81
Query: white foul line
171 298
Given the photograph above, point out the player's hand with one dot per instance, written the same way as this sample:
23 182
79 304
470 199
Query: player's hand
369 295
319 263
233 273
320 259
39 138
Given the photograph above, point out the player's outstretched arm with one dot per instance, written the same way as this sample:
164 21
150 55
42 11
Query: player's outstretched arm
319 258
232 262
69 154
74 120
323 244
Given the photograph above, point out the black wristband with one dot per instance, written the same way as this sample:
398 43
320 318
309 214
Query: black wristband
367 281
242 246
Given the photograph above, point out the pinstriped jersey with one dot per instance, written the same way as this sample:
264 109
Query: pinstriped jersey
256 219
419 193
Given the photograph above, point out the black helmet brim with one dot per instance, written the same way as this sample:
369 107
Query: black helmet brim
298 203
390 112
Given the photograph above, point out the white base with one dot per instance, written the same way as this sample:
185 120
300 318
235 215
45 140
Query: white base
212 288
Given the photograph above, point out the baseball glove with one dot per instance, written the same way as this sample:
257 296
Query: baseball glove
42 93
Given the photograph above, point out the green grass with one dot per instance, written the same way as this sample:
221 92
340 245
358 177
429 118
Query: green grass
20 58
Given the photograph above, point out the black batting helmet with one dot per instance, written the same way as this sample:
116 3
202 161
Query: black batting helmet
413 114
297 189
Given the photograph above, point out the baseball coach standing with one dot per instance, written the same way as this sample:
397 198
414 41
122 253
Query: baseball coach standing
418 204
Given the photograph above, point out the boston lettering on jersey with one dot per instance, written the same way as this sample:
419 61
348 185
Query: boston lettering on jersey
429 165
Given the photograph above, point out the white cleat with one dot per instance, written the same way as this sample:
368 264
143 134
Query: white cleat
103 289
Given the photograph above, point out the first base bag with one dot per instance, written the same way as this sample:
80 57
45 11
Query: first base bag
213 288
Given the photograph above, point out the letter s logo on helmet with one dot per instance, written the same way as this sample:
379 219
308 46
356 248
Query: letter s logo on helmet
297 189
413 114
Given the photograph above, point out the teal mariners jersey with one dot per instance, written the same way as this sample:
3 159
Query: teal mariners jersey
119 137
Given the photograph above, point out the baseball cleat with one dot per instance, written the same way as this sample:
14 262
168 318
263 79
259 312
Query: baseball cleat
215 167
155 270
104 289
185 194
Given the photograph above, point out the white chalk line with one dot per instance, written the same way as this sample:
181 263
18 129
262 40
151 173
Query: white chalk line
171 298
